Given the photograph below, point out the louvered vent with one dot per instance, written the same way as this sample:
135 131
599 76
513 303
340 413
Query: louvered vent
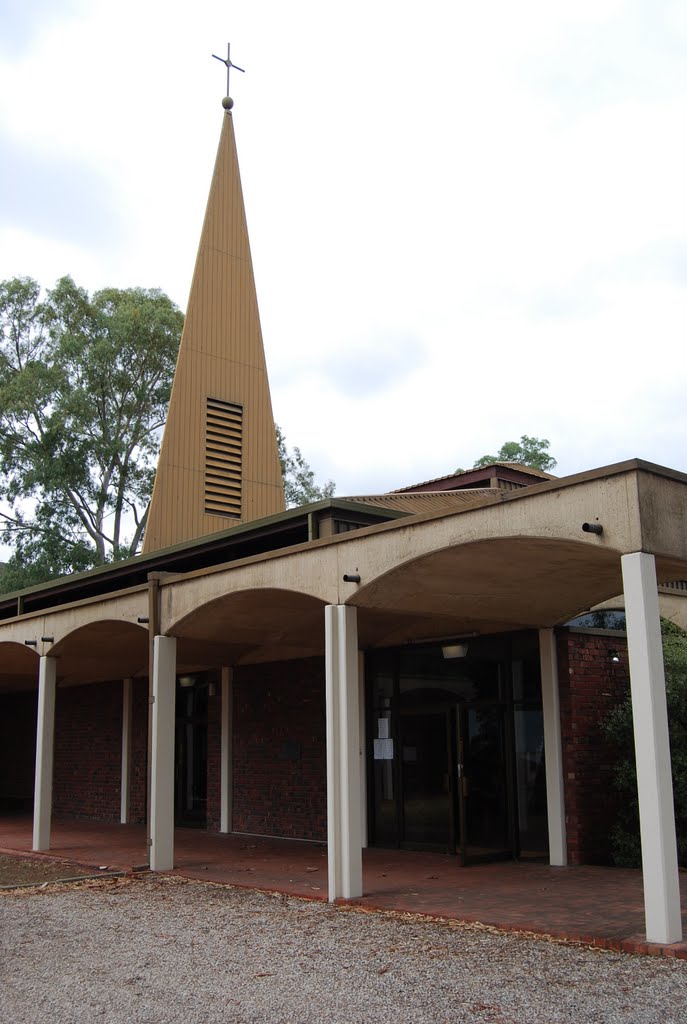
223 458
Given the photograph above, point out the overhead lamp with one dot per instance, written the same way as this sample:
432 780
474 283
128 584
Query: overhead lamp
186 681
454 651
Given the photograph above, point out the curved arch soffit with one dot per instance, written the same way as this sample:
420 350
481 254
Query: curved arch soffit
19 663
270 624
489 585
103 650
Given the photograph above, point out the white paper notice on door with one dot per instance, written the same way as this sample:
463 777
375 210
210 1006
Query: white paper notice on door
384 750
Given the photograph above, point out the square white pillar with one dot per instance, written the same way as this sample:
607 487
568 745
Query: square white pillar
162 773
652 750
226 751
553 748
45 751
344 841
127 724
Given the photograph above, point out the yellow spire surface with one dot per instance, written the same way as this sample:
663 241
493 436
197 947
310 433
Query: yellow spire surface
218 462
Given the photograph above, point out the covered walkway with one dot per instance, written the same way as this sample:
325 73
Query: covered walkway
596 905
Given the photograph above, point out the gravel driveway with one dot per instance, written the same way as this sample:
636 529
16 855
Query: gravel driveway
164 949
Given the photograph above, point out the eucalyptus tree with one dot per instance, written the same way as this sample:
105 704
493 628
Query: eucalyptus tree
84 388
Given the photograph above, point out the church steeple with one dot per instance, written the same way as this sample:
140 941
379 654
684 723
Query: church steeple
218 461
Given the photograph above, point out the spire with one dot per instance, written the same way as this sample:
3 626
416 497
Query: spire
218 462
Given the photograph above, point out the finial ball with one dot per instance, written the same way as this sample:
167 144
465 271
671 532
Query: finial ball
227 103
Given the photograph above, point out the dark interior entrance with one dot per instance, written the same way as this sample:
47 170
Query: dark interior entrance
444 749
454 780
191 751
427 784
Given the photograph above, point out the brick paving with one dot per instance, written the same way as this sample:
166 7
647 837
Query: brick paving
596 905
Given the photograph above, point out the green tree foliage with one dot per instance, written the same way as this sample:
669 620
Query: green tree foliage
300 487
528 451
625 842
84 389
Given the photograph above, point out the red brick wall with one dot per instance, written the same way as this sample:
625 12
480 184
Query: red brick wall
138 776
17 750
88 751
590 686
279 749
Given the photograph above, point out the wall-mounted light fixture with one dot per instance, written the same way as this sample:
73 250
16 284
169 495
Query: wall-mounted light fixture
30 643
351 577
47 639
454 650
614 656
186 681
596 528
143 619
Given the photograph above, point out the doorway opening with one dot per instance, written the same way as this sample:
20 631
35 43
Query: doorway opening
451 767
191 751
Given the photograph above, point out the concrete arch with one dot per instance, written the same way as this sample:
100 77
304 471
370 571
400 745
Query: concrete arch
309 569
101 650
58 622
489 585
257 624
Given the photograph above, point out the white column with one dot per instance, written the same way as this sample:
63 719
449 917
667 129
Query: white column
226 751
127 722
162 774
45 749
362 734
553 748
652 750
344 846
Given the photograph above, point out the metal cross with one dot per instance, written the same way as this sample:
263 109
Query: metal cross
228 63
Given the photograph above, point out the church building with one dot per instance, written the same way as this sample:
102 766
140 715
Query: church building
425 669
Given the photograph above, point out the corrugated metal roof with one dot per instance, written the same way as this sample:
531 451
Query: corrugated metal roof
430 501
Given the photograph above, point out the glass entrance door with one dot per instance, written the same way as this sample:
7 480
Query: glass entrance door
454 781
426 778
483 783
442 750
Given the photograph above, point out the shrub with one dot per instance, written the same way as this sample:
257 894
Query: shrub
625 842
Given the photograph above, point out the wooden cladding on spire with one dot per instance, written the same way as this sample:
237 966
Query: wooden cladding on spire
218 461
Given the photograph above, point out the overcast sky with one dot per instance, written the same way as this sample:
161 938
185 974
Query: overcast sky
467 220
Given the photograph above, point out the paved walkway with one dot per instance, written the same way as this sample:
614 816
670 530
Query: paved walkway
596 905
